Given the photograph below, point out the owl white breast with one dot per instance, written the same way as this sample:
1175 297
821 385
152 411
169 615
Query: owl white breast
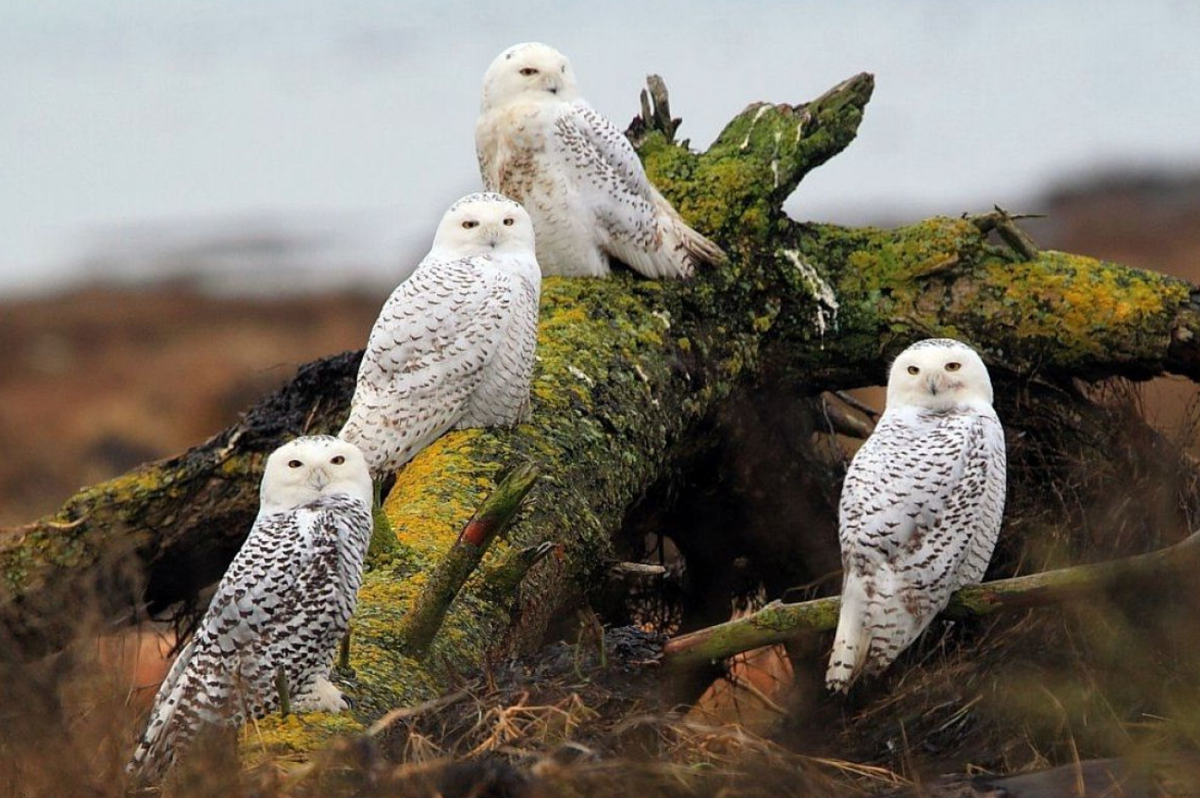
540 143
454 344
921 505
282 606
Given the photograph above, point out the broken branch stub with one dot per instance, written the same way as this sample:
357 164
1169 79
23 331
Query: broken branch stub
433 602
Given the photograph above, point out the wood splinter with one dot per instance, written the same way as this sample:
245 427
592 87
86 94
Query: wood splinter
281 687
1005 225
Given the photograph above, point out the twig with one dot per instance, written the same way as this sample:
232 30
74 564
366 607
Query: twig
433 602
635 569
778 622
343 662
281 687
403 713
1005 225
505 578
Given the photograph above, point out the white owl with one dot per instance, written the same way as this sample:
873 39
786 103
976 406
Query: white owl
540 143
453 345
283 604
920 508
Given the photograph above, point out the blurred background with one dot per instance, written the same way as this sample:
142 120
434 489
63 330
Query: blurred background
197 197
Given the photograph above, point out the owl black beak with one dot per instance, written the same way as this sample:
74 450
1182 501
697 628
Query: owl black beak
934 383
320 478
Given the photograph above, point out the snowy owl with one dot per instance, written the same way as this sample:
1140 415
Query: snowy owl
920 507
453 345
540 143
282 606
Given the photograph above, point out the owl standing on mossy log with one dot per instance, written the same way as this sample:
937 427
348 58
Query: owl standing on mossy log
453 346
541 143
279 611
921 506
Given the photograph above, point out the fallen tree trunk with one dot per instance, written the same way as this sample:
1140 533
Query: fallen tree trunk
628 371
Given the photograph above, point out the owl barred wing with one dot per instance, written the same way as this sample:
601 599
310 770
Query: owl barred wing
284 602
986 482
905 481
873 510
610 149
634 222
426 356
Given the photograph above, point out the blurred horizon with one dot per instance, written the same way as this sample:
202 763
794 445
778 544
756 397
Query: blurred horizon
234 143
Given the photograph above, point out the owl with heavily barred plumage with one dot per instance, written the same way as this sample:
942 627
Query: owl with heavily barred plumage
280 610
921 506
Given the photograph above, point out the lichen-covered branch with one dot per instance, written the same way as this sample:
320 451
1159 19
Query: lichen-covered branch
779 622
629 371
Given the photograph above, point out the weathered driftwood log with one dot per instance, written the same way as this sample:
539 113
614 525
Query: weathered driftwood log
779 622
628 371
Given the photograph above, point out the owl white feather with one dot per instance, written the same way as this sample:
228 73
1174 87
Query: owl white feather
454 344
920 508
540 143
283 604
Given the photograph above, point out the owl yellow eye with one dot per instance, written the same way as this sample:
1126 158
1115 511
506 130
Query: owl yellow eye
294 464
467 225
913 370
527 71
338 460
953 366
508 222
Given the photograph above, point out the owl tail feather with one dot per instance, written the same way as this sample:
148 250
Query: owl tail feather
167 732
698 249
852 640
682 250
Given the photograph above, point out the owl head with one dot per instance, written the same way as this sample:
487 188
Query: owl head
305 469
531 71
484 223
939 374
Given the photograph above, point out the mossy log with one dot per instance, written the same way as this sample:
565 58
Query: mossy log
628 371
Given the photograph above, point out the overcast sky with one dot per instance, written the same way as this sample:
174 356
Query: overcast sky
334 134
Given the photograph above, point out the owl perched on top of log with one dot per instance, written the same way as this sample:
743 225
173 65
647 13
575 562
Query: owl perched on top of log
920 508
279 611
453 345
539 142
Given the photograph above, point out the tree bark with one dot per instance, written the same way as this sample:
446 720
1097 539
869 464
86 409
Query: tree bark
628 371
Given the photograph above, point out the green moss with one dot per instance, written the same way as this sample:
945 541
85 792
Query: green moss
276 736
1077 304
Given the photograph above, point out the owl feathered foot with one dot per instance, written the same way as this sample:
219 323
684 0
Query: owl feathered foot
319 695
